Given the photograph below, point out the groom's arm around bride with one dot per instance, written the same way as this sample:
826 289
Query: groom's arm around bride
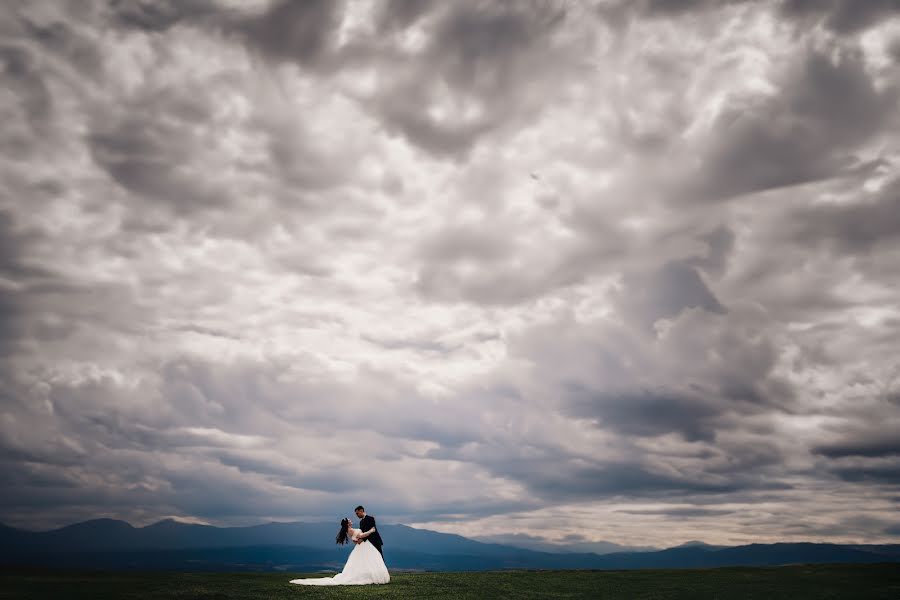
367 525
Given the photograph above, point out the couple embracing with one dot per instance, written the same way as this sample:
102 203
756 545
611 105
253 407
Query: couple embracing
365 563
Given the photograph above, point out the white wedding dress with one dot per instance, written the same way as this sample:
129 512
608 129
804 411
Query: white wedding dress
365 565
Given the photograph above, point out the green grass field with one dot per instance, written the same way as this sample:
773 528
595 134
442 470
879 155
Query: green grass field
819 582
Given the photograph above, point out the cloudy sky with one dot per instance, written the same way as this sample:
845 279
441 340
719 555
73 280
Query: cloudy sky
619 271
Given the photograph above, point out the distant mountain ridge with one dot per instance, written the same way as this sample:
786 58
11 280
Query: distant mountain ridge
298 546
699 544
530 542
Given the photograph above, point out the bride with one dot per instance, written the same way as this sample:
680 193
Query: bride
365 564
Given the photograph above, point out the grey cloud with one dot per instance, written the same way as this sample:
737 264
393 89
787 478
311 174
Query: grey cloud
501 284
101 418
868 437
163 143
300 31
718 374
70 303
872 473
30 279
347 483
284 30
11 324
567 479
89 412
300 166
742 453
423 130
294 31
478 46
68 44
432 343
499 265
400 14
158 15
422 345
620 469
145 153
853 16
618 14
16 262
212 331
157 148
131 435
37 487
253 464
697 414
215 394
680 512
720 246
480 54
449 434
648 413
858 526
857 227
23 472
841 16
480 505
146 444
885 442
894 49
303 263
456 243
774 282
22 76
48 452
665 293
672 7
808 132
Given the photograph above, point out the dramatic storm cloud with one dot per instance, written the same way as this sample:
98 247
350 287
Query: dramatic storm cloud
476 265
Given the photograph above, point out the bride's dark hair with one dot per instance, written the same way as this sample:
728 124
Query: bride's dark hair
342 534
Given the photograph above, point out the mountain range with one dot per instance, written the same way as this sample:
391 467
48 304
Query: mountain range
532 542
310 547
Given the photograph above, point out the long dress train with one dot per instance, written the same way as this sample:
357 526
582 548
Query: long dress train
364 565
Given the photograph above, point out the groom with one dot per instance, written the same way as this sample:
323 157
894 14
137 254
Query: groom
367 525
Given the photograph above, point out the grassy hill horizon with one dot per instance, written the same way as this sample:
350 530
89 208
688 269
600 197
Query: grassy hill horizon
796 582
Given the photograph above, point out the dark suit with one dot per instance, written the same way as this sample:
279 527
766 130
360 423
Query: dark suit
367 523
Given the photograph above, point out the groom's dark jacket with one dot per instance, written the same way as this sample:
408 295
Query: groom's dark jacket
367 523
